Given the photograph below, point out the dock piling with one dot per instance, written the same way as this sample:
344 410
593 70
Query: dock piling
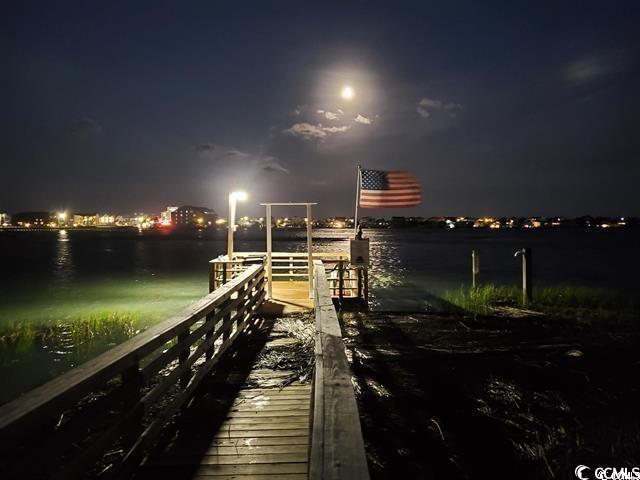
475 267
527 275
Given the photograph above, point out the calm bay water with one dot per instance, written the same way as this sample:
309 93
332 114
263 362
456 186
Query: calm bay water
55 278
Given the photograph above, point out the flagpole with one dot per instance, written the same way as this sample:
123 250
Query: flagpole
355 219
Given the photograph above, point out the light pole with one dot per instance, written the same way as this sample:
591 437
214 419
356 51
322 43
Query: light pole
231 220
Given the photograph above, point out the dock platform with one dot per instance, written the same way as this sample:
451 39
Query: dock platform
288 297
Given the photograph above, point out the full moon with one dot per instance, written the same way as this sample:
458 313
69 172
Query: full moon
347 92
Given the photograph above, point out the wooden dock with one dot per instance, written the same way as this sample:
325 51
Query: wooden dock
187 398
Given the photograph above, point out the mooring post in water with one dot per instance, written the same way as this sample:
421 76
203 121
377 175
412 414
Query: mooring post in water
527 275
475 267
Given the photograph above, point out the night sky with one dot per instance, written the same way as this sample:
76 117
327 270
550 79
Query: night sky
500 110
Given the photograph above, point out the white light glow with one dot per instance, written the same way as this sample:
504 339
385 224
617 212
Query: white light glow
239 195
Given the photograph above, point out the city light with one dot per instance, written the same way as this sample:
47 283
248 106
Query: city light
239 196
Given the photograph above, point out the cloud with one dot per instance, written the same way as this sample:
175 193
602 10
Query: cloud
272 164
423 112
310 131
342 129
86 126
362 119
330 115
233 156
595 67
426 106
306 130
427 102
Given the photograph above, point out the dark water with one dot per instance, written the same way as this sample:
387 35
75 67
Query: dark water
53 279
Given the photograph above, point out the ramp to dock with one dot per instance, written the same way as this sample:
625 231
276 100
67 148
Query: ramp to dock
243 426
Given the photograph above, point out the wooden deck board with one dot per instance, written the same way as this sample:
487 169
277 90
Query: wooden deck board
264 434
288 297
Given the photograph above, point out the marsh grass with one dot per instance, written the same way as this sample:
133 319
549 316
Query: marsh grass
79 337
560 301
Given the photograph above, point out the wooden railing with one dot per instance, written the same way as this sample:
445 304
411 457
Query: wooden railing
286 265
345 281
337 448
121 401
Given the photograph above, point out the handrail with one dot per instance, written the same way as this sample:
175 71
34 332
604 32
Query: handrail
130 378
337 446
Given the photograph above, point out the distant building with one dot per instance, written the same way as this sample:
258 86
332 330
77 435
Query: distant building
483 222
32 219
188 215
85 219
533 222
165 215
106 219
5 219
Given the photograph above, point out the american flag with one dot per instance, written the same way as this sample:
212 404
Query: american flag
388 189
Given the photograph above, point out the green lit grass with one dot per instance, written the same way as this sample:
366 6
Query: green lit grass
78 339
80 321
560 301
148 301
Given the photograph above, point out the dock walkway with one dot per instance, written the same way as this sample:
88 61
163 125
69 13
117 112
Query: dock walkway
259 427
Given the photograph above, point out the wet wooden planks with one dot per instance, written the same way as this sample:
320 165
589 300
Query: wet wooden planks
265 434
288 297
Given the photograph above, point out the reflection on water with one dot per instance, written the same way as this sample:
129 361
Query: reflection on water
63 261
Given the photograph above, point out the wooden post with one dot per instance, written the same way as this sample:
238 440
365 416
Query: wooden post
340 280
309 250
212 276
133 377
269 250
182 358
365 281
211 317
527 273
475 267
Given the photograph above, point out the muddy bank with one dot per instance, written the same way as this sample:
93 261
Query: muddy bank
453 397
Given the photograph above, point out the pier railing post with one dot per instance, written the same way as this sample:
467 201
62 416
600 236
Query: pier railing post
340 280
182 358
211 317
527 273
365 284
309 250
475 267
269 255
